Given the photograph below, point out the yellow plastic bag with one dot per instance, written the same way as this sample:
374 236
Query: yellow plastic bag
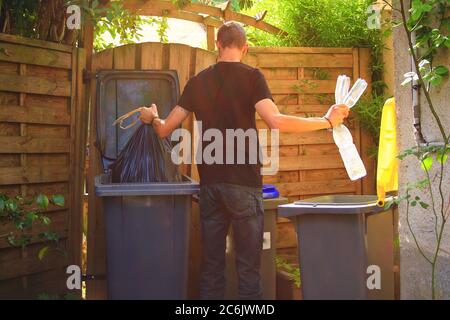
387 171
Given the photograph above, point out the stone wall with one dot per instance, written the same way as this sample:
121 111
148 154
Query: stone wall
415 271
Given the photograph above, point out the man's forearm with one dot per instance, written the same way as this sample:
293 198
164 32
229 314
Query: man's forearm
160 128
294 124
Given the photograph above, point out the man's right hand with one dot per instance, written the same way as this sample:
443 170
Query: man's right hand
148 114
337 113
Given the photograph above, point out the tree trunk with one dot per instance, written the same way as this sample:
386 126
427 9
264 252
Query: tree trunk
52 20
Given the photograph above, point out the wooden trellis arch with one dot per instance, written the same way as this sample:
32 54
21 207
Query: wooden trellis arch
211 17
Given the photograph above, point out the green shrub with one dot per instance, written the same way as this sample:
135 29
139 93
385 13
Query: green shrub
318 23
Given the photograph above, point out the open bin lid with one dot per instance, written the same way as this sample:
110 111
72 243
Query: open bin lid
332 204
120 91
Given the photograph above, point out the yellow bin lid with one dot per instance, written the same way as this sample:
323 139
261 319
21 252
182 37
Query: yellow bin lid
387 169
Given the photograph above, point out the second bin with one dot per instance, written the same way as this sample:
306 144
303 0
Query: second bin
346 247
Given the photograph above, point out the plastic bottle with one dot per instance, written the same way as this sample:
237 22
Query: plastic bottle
349 154
355 93
341 135
342 87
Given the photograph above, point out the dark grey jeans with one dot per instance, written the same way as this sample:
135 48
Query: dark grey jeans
221 205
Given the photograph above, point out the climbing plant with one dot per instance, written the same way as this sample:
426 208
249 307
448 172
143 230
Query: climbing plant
426 25
20 215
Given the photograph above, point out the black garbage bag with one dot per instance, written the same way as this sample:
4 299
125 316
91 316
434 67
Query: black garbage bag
145 158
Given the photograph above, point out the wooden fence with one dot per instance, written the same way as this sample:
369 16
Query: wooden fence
302 81
42 152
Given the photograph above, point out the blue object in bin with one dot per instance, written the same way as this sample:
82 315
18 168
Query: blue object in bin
270 191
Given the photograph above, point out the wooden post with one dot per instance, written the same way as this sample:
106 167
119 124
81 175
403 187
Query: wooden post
367 140
357 130
80 120
210 38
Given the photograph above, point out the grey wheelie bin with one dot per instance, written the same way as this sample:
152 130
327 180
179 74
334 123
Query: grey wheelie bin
345 247
147 224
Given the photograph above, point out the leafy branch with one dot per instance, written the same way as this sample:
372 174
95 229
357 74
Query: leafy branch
23 214
419 12
294 272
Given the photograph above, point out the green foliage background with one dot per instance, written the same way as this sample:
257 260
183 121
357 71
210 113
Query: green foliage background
316 23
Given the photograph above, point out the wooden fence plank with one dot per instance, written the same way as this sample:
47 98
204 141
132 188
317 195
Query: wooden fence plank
79 119
326 73
36 56
25 175
310 162
35 43
38 85
301 86
203 60
96 250
11 113
318 137
46 72
315 187
297 50
31 265
27 144
325 174
284 60
311 108
280 73
286 235
151 56
180 59
124 57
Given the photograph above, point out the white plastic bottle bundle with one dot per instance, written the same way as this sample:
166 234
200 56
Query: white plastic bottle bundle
341 135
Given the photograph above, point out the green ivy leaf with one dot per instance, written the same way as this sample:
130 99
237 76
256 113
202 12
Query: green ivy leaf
58 200
441 157
436 80
51 236
389 204
43 252
42 201
2 205
46 220
11 205
441 70
426 163
447 42
30 217
11 239
424 205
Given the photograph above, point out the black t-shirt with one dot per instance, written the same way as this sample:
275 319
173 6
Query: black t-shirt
223 97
